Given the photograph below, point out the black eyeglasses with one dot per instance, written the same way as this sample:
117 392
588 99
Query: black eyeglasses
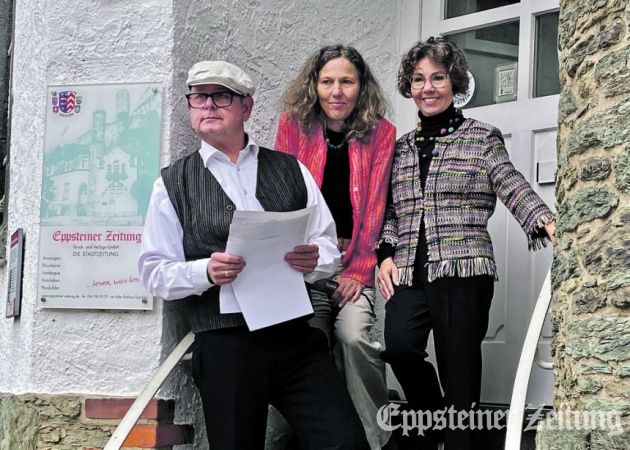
437 80
221 99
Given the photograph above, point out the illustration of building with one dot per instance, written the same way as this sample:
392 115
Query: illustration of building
97 175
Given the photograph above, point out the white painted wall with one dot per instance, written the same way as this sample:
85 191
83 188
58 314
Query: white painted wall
271 40
65 42
106 41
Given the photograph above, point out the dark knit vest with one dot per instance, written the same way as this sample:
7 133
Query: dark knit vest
205 213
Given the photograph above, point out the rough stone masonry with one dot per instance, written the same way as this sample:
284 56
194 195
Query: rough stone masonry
591 269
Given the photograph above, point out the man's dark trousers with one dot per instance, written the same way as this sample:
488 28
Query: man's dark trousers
239 373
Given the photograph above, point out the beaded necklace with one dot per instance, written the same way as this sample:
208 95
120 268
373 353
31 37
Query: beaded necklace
329 144
437 126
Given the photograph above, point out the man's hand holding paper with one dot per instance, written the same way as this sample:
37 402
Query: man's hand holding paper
273 246
223 268
303 258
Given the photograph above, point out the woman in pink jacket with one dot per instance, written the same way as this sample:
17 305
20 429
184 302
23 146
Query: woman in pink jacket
334 124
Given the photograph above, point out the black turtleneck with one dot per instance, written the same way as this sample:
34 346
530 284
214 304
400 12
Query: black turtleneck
429 128
336 183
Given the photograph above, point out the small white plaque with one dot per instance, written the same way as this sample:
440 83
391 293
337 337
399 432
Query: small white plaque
546 172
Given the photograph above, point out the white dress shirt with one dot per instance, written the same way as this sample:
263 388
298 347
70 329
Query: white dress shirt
162 265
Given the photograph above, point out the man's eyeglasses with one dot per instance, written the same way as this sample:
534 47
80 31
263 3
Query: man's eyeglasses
437 80
199 100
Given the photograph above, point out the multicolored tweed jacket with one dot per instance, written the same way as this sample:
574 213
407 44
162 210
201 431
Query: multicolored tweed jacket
370 168
470 170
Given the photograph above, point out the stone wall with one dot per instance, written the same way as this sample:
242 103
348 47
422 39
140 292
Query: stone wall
66 422
45 423
590 273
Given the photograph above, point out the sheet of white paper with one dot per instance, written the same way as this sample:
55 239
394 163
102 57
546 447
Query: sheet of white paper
247 225
268 291
227 300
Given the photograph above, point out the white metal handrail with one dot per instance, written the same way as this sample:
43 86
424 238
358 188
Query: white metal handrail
521 381
135 411
540 362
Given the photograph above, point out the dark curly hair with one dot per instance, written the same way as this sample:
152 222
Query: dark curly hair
301 100
441 51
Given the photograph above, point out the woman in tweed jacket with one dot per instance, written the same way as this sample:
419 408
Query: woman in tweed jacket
334 124
437 267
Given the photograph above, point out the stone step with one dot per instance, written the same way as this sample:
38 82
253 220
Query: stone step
155 429
116 408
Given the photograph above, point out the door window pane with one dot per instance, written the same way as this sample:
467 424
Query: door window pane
492 54
546 75
455 8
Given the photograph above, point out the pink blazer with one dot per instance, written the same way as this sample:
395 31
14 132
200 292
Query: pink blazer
370 170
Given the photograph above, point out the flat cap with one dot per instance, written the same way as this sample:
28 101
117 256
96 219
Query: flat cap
222 73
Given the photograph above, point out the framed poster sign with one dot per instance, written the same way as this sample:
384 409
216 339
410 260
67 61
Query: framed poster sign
101 158
505 77
16 263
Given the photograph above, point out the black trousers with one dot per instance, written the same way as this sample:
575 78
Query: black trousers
239 373
456 309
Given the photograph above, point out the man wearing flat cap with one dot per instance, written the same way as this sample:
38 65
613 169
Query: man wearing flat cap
183 260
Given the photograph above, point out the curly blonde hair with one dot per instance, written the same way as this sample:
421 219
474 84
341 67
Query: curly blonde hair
300 99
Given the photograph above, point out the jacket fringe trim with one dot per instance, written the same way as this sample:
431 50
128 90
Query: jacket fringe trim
537 243
462 268
453 268
405 275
